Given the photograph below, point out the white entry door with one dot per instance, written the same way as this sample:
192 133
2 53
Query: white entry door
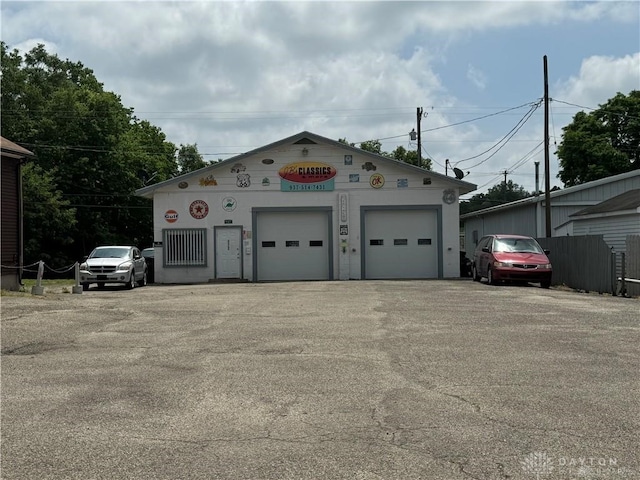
228 252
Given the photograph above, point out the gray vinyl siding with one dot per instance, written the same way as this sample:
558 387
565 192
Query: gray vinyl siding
614 231
516 221
520 217
600 193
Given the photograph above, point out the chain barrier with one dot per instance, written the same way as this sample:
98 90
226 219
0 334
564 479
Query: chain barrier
38 289
17 267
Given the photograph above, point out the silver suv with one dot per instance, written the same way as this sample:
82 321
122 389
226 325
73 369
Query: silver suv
114 264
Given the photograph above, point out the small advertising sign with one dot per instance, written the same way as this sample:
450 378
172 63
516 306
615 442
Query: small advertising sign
307 177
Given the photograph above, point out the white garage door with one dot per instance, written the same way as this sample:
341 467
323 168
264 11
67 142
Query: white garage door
401 244
292 246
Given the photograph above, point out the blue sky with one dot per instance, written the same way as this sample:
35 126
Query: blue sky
232 76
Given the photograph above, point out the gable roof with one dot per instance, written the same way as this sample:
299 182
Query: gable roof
307 138
13 150
554 194
629 200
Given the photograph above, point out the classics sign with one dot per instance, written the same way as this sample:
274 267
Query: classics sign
307 176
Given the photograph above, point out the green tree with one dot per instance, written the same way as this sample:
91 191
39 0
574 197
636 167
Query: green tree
47 217
411 156
90 148
603 142
189 160
496 195
373 146
400 153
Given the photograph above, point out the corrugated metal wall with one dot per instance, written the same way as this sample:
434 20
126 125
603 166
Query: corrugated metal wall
516 221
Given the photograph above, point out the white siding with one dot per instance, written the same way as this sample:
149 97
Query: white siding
216 184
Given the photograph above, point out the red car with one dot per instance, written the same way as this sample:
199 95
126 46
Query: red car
511 258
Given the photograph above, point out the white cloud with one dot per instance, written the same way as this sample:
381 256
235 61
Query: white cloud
477 77
232 76
599 79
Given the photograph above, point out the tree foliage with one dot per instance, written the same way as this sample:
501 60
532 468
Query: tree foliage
91 154
400 153
189 160
603 142
496 195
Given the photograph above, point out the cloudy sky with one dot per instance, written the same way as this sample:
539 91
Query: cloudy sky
232 76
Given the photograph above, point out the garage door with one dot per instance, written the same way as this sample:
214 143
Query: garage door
400 244
292 245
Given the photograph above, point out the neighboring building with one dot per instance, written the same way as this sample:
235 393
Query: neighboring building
306 208
527 216
13 156
614 219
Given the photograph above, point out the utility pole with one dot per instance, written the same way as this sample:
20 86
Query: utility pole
547 179
419 115
505 176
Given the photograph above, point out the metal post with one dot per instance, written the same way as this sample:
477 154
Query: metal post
623 279
77 288
38 289
547 179
419 118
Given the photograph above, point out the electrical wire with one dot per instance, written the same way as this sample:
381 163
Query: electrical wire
460 123
504 140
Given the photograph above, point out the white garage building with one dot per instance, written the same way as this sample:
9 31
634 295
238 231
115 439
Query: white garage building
306 208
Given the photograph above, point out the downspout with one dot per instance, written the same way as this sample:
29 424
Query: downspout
20 222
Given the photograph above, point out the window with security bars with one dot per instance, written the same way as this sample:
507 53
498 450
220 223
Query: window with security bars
185 247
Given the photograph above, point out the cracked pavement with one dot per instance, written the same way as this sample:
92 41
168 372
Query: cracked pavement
362 380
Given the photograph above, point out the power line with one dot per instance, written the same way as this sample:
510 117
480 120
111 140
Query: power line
504 140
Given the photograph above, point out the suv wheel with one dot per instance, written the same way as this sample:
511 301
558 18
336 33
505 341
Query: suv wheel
85 287
490 279
474 273
132 280
143 282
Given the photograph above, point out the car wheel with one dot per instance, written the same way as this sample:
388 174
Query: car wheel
474 273
102 285
545 284
85 287
132 280
490 279
143 282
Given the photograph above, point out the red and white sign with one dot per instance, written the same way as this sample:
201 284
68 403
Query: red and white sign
171 216
198 209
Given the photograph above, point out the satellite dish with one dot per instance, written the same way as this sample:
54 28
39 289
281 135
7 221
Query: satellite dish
459 173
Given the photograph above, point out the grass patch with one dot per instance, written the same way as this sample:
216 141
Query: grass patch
59 285
64 282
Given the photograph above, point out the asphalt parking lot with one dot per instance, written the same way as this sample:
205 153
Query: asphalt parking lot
321 380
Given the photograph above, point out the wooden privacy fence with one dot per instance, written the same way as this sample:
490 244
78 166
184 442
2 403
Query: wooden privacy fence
583 262
632 265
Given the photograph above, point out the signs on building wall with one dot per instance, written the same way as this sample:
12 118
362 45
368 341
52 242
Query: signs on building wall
307 176
171 216
376 180
229 204
198 209
208 181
